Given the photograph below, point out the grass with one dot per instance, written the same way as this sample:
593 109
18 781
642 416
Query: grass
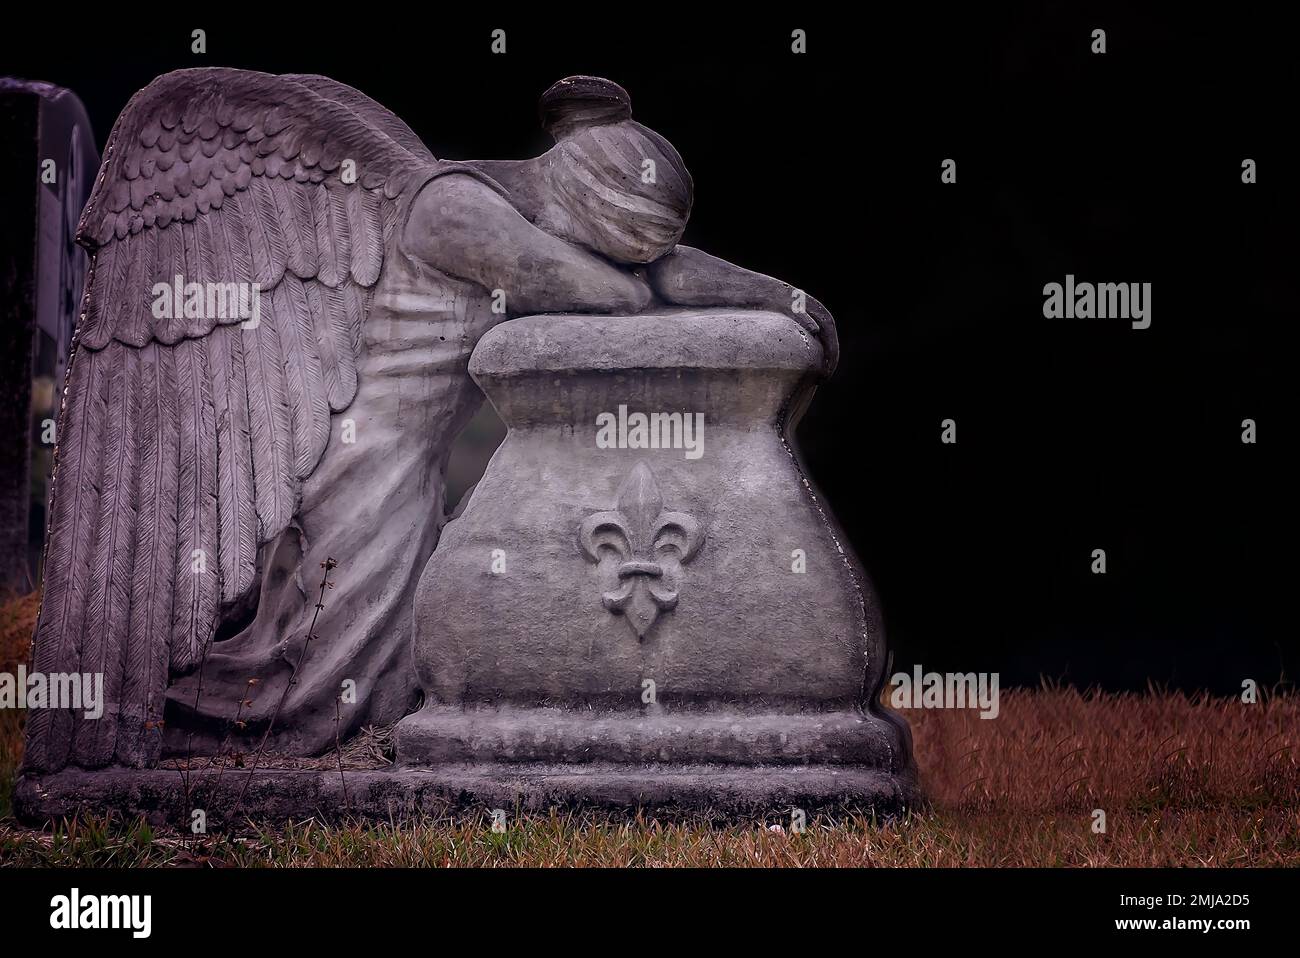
1183 781
17 622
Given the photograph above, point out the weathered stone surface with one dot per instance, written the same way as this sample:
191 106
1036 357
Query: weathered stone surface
716 791
745 627
47 131
736 735
579 572
211 460
605 622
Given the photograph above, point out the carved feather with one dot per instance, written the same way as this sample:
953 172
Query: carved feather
109 290
301 198
308 400
359 309
169 262
108 603
213 256
327 243
236 233
196 564
367 235
92 323
329 311
120 309
193 272
136 319
339 230
265 237
239 531
75 507
389 213
144 677
296 260
271 427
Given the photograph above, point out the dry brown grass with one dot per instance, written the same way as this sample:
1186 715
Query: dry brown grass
17 622
1182 780
1061 750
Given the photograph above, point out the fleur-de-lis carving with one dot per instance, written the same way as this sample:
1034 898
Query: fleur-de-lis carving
650 544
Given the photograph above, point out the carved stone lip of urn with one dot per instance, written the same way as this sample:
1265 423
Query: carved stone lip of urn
644 576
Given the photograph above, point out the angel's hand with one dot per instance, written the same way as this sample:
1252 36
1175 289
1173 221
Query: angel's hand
690 277
644 293
823 326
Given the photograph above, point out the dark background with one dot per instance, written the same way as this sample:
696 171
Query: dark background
823 169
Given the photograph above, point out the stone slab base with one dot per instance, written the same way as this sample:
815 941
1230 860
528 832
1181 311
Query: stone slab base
274 795
731 736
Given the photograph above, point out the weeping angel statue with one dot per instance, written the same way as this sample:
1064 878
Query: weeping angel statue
212 459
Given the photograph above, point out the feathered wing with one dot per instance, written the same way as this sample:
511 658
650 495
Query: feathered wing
185 439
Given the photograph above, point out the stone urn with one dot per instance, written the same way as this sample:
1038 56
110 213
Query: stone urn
645 600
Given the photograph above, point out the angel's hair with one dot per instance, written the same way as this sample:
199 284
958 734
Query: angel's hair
622 182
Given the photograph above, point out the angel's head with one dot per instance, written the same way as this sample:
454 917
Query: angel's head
611 184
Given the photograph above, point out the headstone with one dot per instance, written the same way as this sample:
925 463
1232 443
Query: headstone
643 601
645 578
48 158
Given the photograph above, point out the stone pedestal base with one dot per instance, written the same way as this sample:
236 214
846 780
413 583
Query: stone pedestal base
655 613
438 735
721 793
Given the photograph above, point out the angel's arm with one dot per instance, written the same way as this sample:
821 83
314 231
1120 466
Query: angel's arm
691 277
464 228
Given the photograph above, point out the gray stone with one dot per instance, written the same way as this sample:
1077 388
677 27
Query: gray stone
46 130
578 574
217 466
723 793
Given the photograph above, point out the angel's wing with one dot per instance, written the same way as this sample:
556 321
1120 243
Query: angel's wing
184 441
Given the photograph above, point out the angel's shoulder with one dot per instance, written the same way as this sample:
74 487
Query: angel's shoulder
455 195
453 212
